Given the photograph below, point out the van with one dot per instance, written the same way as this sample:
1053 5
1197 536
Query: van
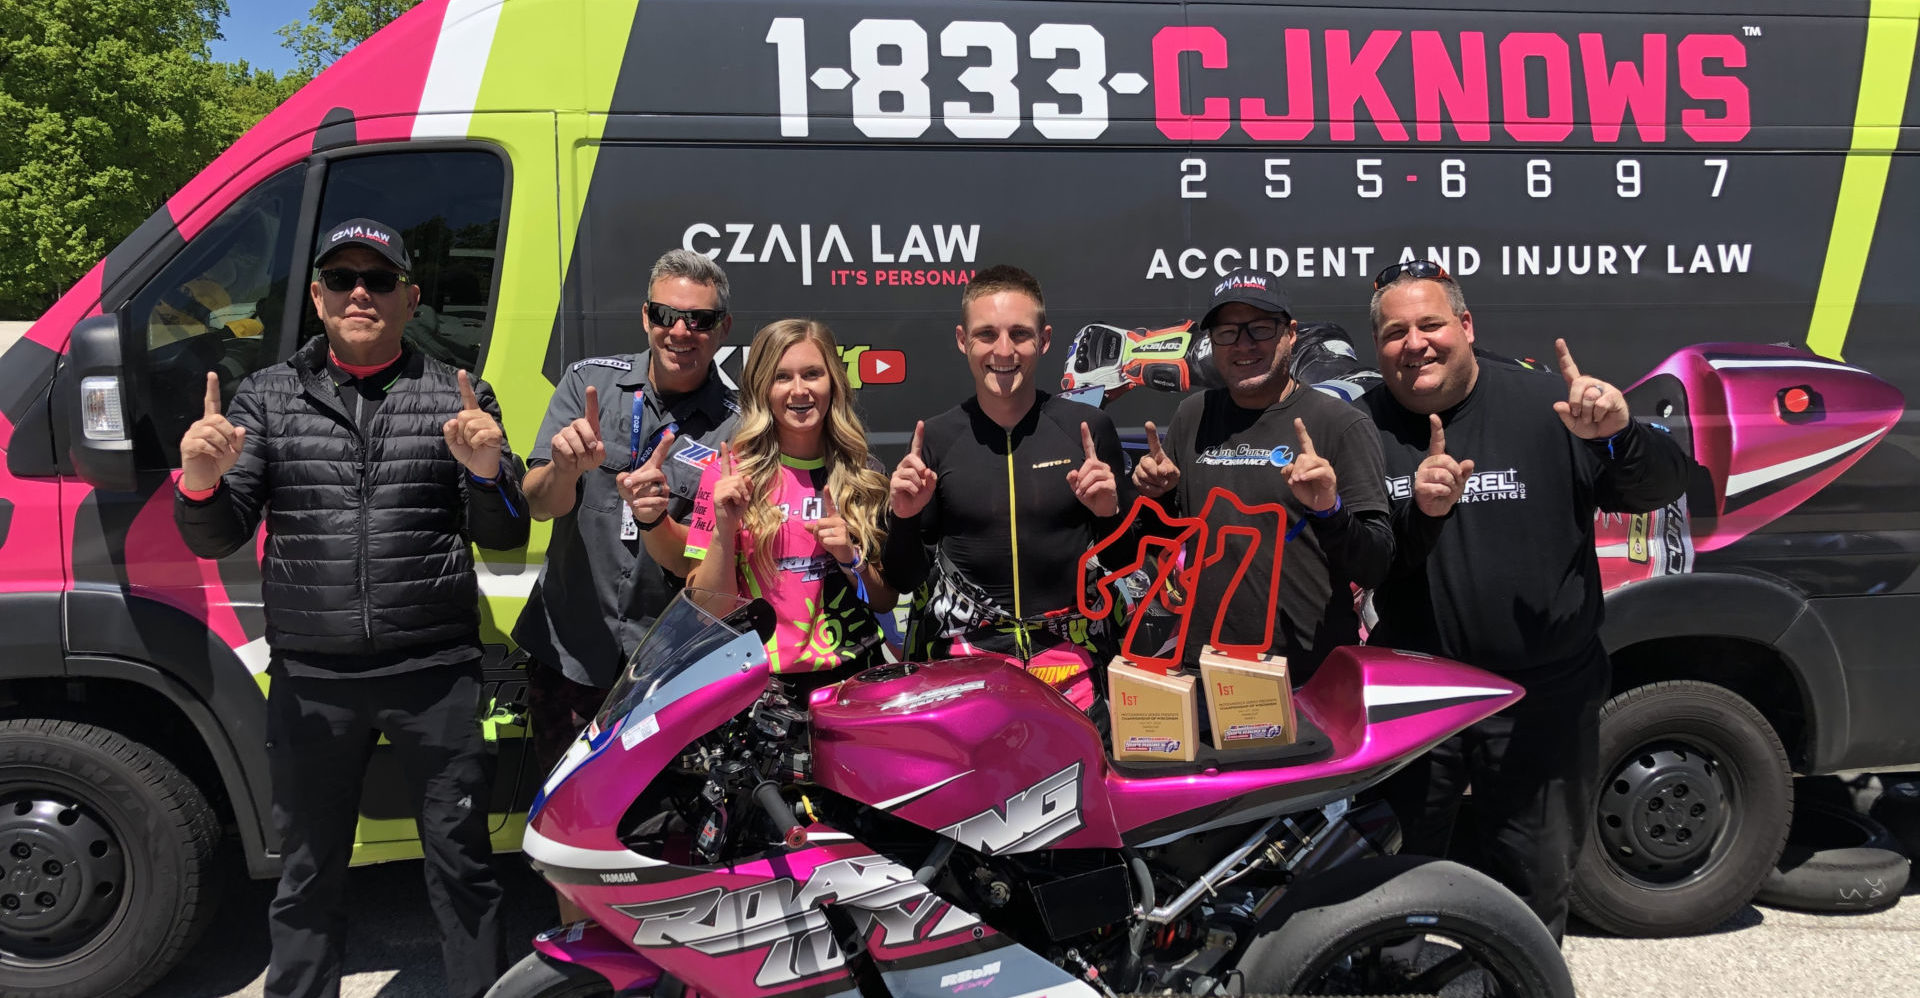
1675 190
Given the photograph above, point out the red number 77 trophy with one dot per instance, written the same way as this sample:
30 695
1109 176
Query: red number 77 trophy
1151 701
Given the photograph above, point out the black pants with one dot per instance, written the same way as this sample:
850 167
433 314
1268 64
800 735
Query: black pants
320 734
1532 770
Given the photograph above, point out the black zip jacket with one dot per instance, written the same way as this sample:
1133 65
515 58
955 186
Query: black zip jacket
1508 580
367 532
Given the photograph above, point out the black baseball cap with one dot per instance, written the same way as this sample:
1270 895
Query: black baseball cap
377 236
1248 287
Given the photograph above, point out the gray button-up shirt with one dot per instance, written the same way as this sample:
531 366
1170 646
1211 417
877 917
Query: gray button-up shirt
597 593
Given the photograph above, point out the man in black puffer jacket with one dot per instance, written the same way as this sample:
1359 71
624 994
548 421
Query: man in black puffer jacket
375 466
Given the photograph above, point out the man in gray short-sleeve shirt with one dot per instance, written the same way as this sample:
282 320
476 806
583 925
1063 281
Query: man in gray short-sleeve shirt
619 510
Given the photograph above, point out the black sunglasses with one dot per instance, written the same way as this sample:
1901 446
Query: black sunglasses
1425 270
379 282
1260 330
698 320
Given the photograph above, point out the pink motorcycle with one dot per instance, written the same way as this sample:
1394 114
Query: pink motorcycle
956 827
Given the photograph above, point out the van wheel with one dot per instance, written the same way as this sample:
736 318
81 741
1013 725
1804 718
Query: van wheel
106 861
1693 803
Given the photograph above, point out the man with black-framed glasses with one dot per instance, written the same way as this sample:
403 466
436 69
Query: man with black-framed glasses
1495 566
371 495
616 466
1267 438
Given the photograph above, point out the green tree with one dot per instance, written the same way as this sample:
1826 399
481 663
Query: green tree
108 106
334 26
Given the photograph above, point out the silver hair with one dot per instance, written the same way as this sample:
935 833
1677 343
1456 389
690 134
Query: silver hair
694 267
1456 298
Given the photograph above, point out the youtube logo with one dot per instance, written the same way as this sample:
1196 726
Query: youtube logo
883 367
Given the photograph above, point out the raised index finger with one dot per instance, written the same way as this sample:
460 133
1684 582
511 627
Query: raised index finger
1437 438
213 395
919 430
467 399
1086 442
1306 439
1568 369
1153 442
660 448
591 408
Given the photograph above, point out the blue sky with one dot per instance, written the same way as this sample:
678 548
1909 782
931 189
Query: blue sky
249 29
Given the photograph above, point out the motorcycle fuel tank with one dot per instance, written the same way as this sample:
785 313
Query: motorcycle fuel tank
974 748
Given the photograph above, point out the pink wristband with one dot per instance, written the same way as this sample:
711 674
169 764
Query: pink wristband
196 494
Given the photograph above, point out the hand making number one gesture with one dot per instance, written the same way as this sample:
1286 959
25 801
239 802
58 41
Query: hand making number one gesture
1156 474
731 493
211 446
1311 476
1093 483
578 448
1594 409
473 435
1440 480
645 488
832 533
912 485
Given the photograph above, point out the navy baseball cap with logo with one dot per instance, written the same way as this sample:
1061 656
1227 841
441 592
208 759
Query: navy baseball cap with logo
1248 287
377 236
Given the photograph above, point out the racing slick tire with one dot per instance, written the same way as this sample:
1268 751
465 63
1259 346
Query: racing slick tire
1354 930
107 872
540 976
1835 860
1693 803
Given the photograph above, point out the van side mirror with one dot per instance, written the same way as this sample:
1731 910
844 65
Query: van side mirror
93 396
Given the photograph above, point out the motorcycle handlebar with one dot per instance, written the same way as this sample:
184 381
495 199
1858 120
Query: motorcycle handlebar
767 795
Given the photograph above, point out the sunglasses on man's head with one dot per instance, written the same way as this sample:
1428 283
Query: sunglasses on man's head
699 320
1425 270
377 281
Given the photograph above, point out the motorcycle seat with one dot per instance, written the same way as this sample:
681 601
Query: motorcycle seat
1312 745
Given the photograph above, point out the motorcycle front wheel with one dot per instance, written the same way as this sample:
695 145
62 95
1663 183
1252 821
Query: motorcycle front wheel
540 976
1403 925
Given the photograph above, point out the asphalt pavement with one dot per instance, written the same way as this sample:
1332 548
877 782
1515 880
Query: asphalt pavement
1759 953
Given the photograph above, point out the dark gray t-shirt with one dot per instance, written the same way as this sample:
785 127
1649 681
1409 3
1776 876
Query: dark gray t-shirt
1218 444
598 592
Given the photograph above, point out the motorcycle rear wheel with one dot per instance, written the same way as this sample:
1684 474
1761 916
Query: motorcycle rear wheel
540 976
1403 925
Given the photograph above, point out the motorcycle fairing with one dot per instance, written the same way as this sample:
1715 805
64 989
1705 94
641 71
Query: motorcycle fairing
760 926
1378 707
589 944
935 741
973 748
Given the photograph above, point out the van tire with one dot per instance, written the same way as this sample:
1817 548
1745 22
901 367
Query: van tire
1835 860
1692 808
122 845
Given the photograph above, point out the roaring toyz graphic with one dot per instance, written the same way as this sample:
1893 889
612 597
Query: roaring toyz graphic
958 826
1767 426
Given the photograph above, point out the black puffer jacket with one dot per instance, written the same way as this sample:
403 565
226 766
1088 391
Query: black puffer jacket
367 533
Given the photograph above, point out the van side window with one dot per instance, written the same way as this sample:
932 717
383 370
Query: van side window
218 307
447 205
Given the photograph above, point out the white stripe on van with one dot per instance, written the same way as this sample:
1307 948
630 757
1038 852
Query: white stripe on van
1724 365
1737 484
459 64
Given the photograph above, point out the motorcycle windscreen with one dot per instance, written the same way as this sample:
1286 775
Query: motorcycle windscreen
694 626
